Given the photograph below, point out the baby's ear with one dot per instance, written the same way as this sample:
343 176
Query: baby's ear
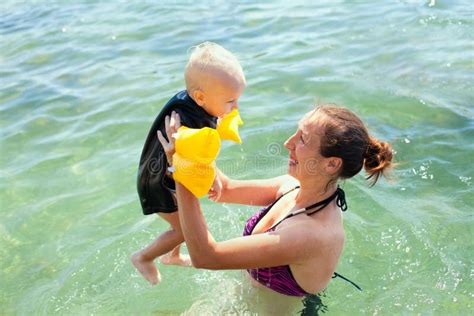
198 97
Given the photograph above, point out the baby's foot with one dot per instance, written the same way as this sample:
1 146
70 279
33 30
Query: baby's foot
178 260
146 268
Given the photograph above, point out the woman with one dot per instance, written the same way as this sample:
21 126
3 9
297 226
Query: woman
293 245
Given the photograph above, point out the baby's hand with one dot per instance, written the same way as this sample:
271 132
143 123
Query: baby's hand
171 125
215 191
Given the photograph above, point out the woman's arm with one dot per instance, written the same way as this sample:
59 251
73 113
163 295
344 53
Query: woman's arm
250 192
254 192
288 245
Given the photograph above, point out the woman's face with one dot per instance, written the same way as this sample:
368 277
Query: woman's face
304 147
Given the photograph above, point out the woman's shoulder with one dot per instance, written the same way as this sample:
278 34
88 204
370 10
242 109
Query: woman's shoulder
287 183
315 231
321 232
329 231
310 239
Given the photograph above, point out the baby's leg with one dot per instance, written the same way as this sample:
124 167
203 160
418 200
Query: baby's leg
174 257
166 242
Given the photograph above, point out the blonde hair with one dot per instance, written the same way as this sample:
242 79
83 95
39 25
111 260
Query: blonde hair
207 57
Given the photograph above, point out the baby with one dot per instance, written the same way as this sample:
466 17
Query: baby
214 82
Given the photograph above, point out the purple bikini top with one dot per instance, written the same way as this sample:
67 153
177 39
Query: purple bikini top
280 278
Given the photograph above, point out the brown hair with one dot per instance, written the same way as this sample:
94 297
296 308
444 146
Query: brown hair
345 136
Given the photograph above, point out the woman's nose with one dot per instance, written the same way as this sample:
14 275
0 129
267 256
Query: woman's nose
288 144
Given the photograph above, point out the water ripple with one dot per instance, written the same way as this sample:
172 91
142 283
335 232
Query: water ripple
82 83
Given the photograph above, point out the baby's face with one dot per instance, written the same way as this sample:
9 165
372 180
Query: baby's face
222 94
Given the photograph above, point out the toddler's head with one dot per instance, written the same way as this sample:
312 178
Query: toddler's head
214 78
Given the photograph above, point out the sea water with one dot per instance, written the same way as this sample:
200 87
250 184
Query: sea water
82 81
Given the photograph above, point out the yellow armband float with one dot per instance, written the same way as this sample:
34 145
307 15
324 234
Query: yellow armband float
197 149
228 127
194 159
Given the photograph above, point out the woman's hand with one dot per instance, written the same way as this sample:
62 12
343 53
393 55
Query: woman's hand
216 189
171 127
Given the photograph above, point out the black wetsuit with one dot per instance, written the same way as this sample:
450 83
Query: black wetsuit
155 188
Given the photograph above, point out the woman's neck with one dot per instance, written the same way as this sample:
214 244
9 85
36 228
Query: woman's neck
314 191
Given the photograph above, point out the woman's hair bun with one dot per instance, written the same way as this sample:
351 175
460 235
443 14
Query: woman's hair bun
377 159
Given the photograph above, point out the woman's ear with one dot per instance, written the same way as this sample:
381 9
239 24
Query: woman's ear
199 97
333 165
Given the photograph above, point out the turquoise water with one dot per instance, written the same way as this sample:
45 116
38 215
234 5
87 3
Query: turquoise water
82 82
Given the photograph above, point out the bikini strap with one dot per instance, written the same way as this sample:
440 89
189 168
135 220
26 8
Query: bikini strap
278 199
340 197
347 280
297 187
